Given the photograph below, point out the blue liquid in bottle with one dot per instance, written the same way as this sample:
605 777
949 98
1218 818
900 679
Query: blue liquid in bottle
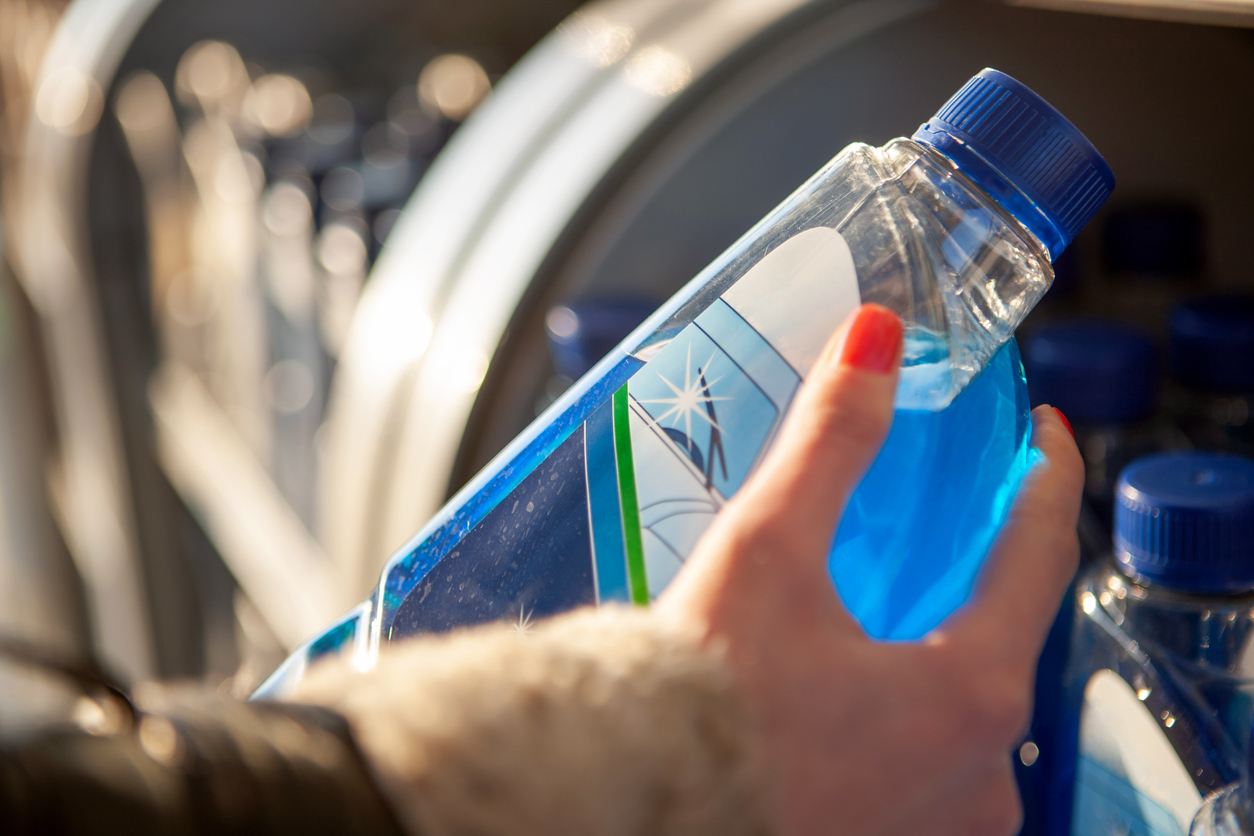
919 525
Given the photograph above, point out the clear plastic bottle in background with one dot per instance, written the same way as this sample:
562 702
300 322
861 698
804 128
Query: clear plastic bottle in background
1103 375
1229 811
1161 670
581 332
604 496
1212 363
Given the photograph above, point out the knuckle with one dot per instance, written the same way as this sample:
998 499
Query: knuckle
755 534
856 417
1061 546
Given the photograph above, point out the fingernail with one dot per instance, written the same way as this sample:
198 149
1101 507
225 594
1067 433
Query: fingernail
1065 422
873 340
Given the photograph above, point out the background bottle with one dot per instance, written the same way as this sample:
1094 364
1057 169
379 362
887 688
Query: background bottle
1161 666
1227 812
603 497
1212 363
581 332
1103 375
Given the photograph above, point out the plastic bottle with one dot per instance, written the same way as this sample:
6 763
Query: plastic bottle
1227 812
580 333
607 492
1162 660
1212 361
1103 376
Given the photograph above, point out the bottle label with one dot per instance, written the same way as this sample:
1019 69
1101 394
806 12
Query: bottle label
690 426
615 509
1129 779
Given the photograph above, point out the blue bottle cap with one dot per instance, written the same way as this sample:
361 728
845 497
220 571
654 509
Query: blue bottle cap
1023 152
1212 344
581 333
1186 521
1094 371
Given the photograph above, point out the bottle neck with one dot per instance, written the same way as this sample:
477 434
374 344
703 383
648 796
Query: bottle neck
995 183
1227 812
939 161
1144 589
1211 632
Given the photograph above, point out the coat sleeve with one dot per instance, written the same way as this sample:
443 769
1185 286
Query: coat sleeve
596 723
197 763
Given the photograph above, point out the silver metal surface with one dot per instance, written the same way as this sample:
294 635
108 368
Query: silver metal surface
90 485
1222 12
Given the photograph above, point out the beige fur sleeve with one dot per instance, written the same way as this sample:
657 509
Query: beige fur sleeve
597 723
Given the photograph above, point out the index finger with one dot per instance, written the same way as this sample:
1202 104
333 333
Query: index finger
1034 558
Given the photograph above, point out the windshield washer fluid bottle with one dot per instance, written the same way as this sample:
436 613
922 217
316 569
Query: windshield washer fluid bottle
606 494
1212 364
1229 811
1103 376
1158 686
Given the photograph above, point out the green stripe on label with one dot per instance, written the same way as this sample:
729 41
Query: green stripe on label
627 496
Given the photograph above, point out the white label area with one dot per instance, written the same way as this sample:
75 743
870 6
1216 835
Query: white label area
706 407
799 294
1129 779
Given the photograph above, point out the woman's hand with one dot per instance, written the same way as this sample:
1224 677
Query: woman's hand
858 736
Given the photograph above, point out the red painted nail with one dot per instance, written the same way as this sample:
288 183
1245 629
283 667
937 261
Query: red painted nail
1065 422
873 341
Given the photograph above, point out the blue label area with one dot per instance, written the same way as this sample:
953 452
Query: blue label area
604 508
750 351
530 556
1107 805
412 564
707 406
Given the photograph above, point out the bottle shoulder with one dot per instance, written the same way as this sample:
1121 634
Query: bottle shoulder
1112 588
1226 812
1202 634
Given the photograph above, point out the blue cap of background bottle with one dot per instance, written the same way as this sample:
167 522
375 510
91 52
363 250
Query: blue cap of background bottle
1186 521
1212 343
1023 152
1094 371
581 333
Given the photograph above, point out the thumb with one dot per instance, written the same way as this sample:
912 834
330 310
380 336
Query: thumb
834 431
767 549
1036 553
